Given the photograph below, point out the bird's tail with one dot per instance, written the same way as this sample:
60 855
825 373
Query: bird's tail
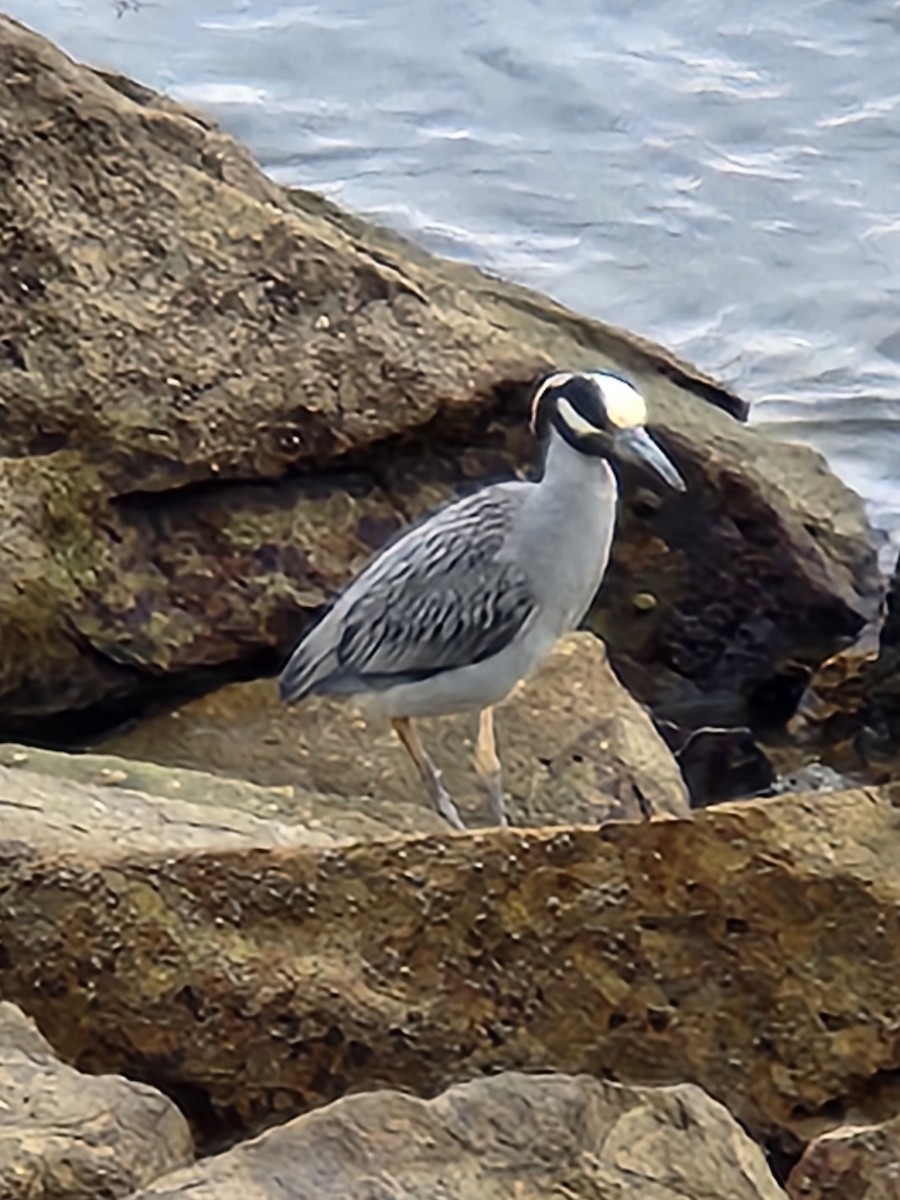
306 667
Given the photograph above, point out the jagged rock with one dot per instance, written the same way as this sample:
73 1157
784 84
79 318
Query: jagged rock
514 1136
217 397
67 1136
854 1162
576 747
749 950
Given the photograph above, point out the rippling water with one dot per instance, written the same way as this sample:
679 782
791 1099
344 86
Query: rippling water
725 179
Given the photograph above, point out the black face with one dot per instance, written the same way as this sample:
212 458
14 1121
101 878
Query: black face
579 391
601 415
575 408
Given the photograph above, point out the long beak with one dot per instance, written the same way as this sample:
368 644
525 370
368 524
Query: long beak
639 446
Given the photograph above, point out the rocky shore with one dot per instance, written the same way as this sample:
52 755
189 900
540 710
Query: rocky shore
238 956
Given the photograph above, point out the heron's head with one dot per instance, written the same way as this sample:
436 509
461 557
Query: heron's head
600 415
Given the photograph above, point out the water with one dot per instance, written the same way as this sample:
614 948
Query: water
724 179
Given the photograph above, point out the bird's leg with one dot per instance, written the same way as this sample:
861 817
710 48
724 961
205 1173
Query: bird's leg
431 776
487 766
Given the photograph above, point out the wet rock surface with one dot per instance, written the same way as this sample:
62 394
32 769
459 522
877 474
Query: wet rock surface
217 398
576 747
514 1136
68 1136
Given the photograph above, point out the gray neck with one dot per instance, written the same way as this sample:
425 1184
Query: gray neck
565 471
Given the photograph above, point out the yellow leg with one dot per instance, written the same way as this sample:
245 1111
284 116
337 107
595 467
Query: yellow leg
487 765
431 776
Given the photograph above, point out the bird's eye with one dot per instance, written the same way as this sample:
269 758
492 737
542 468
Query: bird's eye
573 418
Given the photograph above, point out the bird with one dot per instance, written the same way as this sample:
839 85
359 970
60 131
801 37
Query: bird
461 606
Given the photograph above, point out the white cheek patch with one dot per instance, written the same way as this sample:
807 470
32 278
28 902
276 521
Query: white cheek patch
625 407
557 381
573 418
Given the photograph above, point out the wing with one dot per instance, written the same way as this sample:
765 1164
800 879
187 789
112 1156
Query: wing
445 595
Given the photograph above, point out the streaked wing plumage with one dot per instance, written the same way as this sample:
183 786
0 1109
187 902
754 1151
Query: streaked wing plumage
442 596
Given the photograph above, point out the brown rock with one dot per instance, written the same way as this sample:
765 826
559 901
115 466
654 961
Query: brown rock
217 398
751 950
518 1136
877 714
66 1136
855 1162
850 713
575 747
832 715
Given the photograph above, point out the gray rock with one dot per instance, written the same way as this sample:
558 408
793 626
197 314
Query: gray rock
68 1136
516 1136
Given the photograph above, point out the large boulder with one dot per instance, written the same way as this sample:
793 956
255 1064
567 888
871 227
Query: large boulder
216 398
67 1136
575 747
261 968
514 1136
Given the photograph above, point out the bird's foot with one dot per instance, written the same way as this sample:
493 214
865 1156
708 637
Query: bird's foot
442 803
430 775
492 782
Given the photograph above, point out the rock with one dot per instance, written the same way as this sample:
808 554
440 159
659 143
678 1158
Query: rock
832 715
849 714
144 808
750 950
67 1136
814 777
854 1162
514 1136
877 727
576 747
217 397
719 764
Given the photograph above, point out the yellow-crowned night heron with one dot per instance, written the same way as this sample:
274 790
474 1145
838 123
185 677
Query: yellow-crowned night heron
453 613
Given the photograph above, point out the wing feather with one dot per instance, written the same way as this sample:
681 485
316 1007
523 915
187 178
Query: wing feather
443 596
